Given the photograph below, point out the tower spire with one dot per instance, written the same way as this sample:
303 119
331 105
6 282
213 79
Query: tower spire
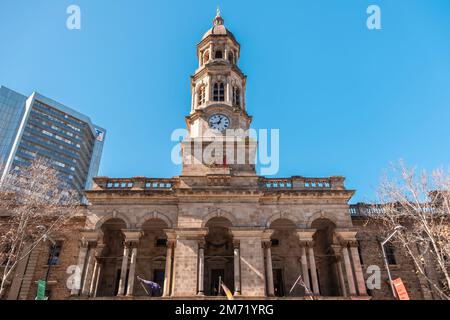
218 20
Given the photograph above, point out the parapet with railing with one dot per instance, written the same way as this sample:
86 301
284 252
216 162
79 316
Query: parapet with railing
264 184
302 183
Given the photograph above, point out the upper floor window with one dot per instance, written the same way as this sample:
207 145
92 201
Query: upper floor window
390 254
201 96
219 91
237 96
218 54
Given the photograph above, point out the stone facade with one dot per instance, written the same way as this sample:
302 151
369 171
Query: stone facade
217 221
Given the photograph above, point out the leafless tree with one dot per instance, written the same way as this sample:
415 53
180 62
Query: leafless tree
420 202
37 203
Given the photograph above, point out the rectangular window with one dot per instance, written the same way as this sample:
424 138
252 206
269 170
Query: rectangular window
390 254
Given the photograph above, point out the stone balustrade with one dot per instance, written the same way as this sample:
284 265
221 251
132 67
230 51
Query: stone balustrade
293 183
135 183
302 183
365 209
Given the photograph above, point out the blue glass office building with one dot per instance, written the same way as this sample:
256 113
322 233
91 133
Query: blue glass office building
38 126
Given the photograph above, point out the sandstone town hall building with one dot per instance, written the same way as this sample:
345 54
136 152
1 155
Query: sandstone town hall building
256 234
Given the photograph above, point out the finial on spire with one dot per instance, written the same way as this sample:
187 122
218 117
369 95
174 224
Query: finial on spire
218 20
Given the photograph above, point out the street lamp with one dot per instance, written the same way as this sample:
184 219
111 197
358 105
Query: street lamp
383 243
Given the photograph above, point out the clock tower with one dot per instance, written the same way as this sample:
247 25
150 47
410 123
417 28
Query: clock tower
218 123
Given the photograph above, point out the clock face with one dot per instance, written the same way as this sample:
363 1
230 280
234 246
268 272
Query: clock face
219 122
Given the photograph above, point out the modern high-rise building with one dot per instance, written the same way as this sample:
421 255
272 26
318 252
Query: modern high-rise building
38 126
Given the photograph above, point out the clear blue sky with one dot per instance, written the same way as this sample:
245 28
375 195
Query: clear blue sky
347 100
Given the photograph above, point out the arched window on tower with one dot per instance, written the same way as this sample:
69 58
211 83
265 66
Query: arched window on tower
231 57
219 91
236 96
201 98
218 54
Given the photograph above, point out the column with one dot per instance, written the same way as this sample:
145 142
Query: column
228 93
85 289
237 269
269 271
123 272
305 272
99 272
312 266
341 278
225 53
348 269
131 244
360 282
337 253
94 277
96 270
131 275
201 267
194 97
306 243
208 89
168 271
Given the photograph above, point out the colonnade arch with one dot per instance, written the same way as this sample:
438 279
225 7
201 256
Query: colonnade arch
218 256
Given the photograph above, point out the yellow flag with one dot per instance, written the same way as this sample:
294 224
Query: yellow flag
227 291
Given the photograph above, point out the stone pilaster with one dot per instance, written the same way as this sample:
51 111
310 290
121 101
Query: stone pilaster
76 288
251 260
185 273
360 282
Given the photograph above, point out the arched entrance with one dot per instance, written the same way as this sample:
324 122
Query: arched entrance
286 251
151 258
325 257
219 259
110 257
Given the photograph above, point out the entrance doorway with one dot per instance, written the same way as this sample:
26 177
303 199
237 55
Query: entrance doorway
278 282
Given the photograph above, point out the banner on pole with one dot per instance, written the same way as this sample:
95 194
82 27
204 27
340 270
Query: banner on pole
400 289
40 290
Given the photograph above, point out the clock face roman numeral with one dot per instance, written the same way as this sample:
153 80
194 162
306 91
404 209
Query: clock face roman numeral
219 122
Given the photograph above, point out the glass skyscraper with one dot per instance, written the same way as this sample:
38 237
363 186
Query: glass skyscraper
38 126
